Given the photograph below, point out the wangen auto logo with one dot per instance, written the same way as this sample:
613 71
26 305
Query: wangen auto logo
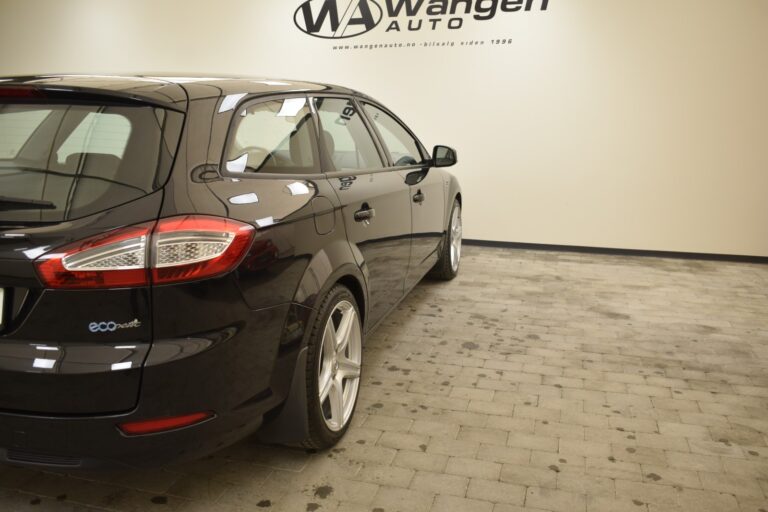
112 326
337 19
342 19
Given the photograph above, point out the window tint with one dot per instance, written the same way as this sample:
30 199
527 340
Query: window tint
402 147
273 136
16 126
82 159
98 133
345 136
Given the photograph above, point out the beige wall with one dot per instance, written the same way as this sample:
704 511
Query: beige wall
622 123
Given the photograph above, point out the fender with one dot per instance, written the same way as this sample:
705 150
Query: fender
290 424
330 264
452 191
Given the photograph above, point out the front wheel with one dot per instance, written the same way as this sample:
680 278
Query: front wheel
447 266
334 362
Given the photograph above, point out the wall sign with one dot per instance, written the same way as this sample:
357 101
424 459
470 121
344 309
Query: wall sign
344 19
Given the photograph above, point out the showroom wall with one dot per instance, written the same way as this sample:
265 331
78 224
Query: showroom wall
623 123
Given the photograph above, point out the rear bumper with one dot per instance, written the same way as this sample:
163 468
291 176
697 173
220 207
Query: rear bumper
240 372
86 443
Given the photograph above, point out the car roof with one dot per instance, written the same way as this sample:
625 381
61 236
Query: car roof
172 91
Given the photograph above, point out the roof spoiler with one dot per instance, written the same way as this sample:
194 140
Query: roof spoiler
17 93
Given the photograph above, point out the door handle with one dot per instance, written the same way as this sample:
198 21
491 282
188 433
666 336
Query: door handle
365 214
419 197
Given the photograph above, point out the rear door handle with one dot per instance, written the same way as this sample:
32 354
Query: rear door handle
365 214
419 197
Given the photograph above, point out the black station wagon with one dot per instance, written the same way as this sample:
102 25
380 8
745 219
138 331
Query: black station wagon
185 261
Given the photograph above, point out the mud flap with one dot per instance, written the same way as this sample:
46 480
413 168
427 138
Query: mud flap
291 425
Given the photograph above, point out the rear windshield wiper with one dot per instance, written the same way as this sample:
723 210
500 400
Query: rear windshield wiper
18 203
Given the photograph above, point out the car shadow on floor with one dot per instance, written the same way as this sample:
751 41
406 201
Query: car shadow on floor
244 475
247 474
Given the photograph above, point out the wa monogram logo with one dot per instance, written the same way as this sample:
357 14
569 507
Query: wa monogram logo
340 19
337 19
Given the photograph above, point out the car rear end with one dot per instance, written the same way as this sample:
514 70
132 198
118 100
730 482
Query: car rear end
82 171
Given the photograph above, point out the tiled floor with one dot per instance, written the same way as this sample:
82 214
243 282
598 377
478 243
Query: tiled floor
535 381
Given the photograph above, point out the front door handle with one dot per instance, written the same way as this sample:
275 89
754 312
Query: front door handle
365 214
419 197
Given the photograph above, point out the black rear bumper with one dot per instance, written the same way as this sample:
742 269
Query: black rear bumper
86 443
241 372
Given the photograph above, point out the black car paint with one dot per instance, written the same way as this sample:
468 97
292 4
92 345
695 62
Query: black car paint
228 344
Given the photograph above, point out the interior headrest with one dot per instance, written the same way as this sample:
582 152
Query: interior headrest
294 147
330 144
101 164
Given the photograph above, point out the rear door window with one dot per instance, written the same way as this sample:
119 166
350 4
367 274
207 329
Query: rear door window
345 137
66 161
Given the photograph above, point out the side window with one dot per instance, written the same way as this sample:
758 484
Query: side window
402 147
273 136
345 136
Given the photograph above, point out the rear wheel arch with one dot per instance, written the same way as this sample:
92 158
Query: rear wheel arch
291 423
327 266
332 265
447 266
453 193
358 291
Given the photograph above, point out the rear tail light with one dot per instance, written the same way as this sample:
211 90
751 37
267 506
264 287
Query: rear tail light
158 425
173 250
112 260
187 248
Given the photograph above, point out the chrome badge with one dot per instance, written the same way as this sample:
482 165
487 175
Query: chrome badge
113 326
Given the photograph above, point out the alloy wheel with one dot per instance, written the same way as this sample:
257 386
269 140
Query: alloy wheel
339 366
456 232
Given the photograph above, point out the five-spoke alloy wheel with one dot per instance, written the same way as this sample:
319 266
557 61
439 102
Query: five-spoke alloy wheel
334 364
339 365
455 234
447 266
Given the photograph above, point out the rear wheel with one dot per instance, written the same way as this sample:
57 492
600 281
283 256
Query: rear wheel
334 362
447 266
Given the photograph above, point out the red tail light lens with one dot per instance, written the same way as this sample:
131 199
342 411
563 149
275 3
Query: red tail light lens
194 247
174 250
116 259
157 425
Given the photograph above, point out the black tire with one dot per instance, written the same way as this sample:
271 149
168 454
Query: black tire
444 268
320 435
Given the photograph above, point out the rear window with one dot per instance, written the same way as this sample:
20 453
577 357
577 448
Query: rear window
61 162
